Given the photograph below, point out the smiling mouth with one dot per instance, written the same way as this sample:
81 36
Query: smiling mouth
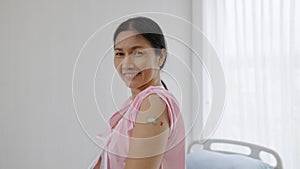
130 76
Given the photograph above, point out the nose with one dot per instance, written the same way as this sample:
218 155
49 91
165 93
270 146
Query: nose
128 62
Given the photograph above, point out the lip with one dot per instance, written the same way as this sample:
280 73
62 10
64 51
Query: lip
130 75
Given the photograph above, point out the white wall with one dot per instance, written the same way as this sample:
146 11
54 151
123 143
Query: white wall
40 42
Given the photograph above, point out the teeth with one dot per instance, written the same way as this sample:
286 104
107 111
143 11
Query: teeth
129 74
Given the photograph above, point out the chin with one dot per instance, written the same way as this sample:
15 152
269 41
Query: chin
131 85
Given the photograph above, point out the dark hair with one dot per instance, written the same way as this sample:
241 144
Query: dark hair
147 28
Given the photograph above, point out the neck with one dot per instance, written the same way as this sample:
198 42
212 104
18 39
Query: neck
136 91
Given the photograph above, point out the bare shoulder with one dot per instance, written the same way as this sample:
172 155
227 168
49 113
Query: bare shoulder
152 103
152 125
152 117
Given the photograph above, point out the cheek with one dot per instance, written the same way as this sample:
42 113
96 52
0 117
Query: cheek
148 70
146 64
117 63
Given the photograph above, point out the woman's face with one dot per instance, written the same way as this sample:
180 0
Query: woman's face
136 61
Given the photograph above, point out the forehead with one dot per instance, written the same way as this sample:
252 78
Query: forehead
129 38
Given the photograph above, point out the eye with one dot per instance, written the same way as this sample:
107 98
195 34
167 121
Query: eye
138 53
119 54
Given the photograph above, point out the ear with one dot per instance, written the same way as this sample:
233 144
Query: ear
162 57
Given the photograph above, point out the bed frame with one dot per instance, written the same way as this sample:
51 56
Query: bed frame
255 150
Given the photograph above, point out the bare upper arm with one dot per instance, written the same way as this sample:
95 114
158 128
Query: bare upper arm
149 135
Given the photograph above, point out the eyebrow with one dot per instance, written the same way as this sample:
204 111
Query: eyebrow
132 48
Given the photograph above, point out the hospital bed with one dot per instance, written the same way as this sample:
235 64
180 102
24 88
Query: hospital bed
208 156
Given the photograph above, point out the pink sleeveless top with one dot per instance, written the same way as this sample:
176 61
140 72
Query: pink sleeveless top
116 141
